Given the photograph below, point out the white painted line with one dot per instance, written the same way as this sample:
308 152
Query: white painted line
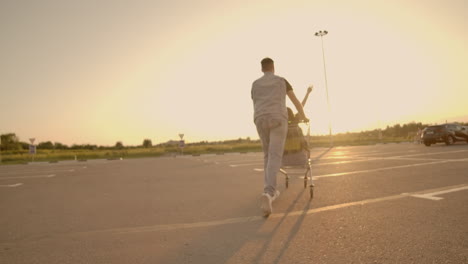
340 162
27 177
241 220
432 196
45 171
245 164
364 159
319 164
336 157
425 153
405 158
242 161
401 157
12 185
386 168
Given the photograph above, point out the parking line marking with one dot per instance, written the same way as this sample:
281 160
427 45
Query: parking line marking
364 159
432 196
245 164
386 168
373 159
247 219
45 171
26 177
407 158
241 160
422 154
12 185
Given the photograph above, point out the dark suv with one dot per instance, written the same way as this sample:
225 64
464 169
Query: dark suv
448 133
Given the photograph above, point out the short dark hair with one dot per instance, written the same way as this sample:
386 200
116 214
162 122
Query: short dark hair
267 64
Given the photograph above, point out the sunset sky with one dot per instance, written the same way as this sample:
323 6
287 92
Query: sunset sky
98 72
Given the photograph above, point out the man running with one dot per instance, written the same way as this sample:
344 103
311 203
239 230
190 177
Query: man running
271 119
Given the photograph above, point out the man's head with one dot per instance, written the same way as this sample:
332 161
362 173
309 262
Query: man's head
268 65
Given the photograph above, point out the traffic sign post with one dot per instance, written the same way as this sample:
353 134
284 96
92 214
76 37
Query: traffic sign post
181 144
32 148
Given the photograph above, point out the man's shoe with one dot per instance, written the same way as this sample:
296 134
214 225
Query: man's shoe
266 204
277 194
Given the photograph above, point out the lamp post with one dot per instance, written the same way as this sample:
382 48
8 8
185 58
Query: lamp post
321 34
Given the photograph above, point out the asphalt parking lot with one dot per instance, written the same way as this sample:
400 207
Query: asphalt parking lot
393 203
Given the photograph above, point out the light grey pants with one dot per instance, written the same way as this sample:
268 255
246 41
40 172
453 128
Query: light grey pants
272 132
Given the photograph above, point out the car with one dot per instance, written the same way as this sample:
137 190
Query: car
447 133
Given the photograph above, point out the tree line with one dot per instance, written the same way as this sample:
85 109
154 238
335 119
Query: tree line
10 141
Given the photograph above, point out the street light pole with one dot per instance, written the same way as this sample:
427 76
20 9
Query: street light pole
321 34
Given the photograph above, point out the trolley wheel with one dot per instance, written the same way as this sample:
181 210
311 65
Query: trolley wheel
287 182
307 177
311 192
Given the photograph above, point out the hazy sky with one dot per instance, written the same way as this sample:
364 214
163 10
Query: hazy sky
105 71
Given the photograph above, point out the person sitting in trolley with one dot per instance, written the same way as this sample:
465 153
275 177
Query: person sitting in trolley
295 141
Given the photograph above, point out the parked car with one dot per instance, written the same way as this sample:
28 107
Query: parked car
448 133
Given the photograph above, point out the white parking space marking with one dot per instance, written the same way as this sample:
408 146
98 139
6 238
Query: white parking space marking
27 177
387 168
40 173
421 154
366 159
245 164
314 164
256 159
432 196
236 162
11 185
37 171
247 219
435 161
373 159
407 158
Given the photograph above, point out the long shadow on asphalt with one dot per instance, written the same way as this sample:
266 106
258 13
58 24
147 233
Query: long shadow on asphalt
297 226
295 229
323 154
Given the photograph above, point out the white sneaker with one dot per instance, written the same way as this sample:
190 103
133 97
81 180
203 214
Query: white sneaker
266 204
277 194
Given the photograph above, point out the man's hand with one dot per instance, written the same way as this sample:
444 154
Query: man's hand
302 118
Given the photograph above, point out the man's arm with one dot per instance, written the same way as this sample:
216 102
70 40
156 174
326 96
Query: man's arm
309 90
297 104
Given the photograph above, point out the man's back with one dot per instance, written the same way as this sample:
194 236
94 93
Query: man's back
269 96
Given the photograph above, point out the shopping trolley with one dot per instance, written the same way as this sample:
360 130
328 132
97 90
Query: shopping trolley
296 157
